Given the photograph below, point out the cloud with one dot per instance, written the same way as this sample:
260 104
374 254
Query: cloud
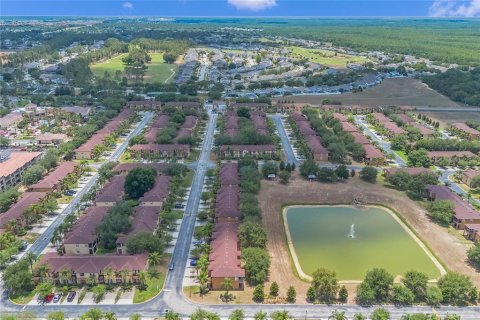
253 5
454 8
127 5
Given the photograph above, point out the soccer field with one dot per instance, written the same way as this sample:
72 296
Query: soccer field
157 71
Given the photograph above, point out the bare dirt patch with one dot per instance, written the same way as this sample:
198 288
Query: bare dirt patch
273 196
449 117
394 91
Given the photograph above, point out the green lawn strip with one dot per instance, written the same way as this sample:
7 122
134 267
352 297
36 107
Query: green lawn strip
154 286
187 180
325 57
23 298
401 154
157 71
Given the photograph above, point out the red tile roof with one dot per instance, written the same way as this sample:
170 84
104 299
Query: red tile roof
224 254
145 219
53 178
227 202
84 231
113 190
92 142
297 116
94 264
463 127
151 135
471 173
380 117
423 130
348 127
340 117
405 118
248 148
161 121
410 171
315 145
160 147
159 192
393 128
189 123
15 161
125 167
462 209
305 128
450 154
26 200
360 138
229 173
372 153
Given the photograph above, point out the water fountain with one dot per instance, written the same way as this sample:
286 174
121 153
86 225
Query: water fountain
351 234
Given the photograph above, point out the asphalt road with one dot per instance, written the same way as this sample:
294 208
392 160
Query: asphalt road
383 144
172 297
287 148
42 242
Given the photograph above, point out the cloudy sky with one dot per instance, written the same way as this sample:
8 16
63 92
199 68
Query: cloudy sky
186 8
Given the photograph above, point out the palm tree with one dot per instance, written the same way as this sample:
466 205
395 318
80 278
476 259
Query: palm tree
124 273
154 259
142 277
31 258
12 226
91 280
203 279
110 316
43 271
227 284
65 275
108 274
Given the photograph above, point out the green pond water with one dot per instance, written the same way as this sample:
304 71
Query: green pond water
321 238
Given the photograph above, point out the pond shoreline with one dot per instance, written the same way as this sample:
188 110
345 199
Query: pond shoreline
392 213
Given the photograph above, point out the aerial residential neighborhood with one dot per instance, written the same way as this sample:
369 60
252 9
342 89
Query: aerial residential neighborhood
239 160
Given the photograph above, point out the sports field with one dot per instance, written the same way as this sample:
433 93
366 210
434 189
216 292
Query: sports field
157 71
324 57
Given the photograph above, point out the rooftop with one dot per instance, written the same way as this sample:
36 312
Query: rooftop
53 178
15 161
113 190
462 209
93 264
84 231
26 200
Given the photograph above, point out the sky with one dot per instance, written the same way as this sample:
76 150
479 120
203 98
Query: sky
239 8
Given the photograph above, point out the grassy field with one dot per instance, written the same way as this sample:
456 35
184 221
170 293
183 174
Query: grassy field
325 57
321 238
154 285
157 71
391 92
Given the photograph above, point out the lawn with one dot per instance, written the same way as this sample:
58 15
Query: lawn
157 71
327 58
154 286
23 298
402 155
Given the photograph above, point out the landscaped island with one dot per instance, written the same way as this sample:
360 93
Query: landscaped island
352 241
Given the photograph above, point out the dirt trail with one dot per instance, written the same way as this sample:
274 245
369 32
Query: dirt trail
449 249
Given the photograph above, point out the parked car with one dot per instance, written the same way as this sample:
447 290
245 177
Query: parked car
56 298
172 265
48 298
179 206
193 263
71 296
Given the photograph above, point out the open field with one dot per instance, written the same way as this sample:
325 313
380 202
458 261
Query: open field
394 91
448 117
157 71
352 241
325 57
273 196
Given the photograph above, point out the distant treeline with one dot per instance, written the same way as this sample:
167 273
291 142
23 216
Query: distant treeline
458 85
